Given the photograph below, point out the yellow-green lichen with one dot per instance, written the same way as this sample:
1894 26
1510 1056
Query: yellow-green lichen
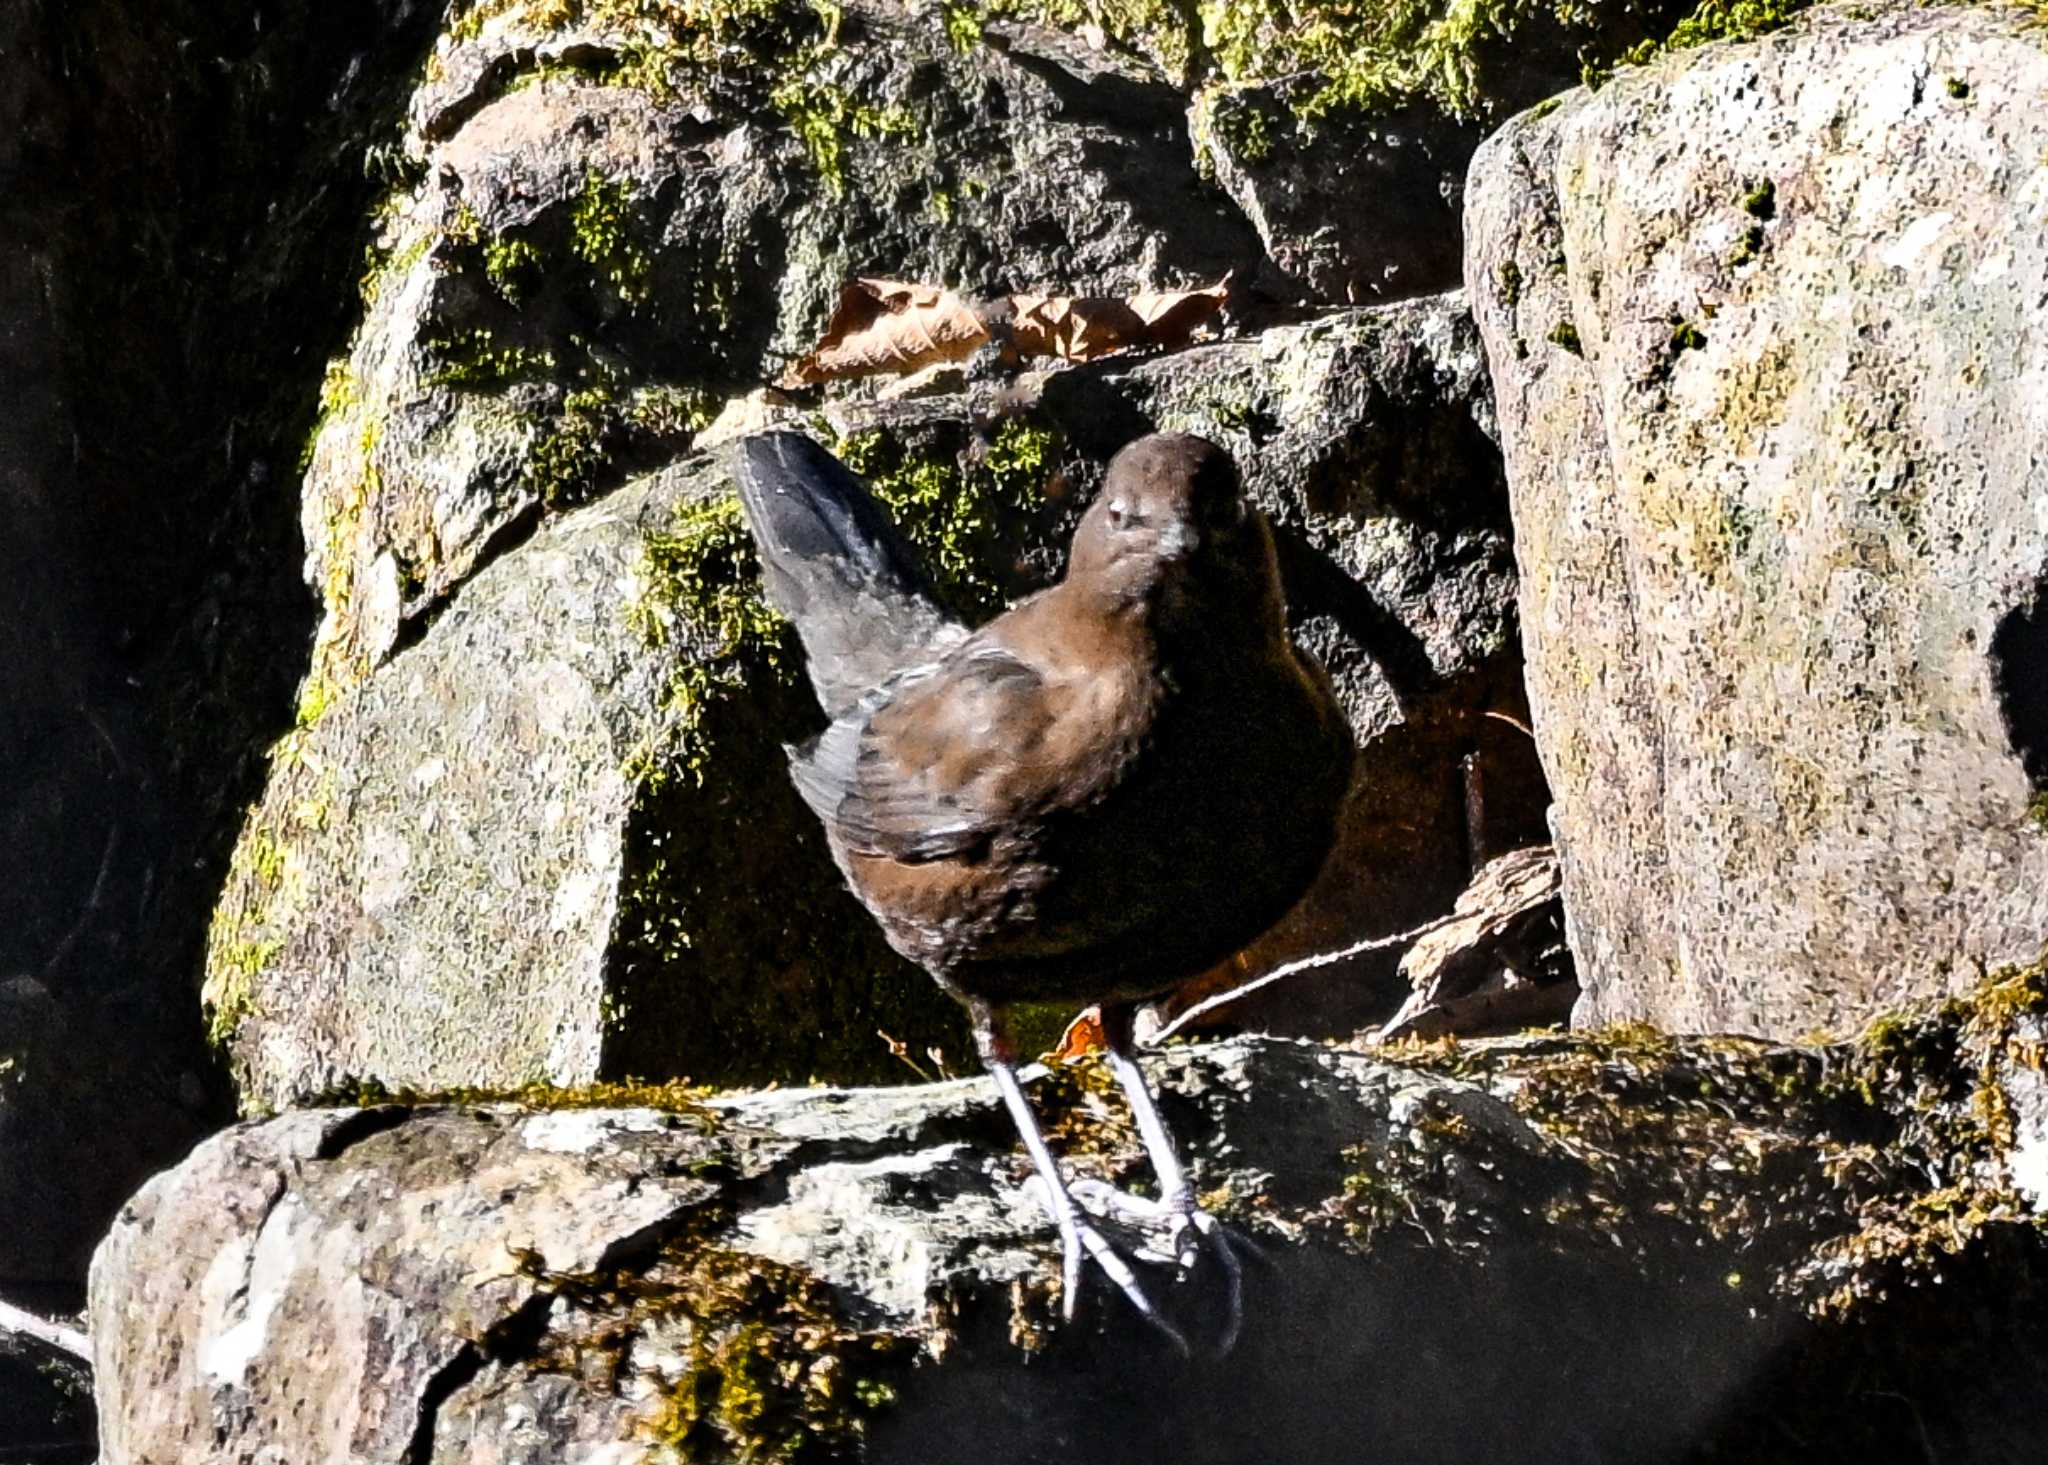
963 24
262 895
1714 20
473 360
1383 56
512 265
701 592
1156 28
341 391
657 45
824 116
671 1097
740 956
1862 1167
338 661
747 1360
1507 278
960 521
601 234
1685 336
670 412
566 458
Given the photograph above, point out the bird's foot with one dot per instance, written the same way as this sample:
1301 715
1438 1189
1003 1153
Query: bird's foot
1183 1231
1078 1238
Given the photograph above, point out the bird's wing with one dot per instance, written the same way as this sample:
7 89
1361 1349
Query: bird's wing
950 754
833 563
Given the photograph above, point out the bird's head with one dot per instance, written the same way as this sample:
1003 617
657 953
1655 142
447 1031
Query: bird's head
1171 531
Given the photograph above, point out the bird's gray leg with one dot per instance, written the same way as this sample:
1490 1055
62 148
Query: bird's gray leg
1076 1235
1188 1223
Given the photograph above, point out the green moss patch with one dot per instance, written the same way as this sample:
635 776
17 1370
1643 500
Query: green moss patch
751 1360
671 1097
1693 1157
1714 20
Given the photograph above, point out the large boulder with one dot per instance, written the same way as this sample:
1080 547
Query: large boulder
608 217
1765 328
1710 1247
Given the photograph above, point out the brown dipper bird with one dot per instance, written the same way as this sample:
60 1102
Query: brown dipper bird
1110 787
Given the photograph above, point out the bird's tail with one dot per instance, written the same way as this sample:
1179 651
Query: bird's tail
833 563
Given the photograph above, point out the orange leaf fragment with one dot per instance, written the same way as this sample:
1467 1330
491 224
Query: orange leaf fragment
1083 1036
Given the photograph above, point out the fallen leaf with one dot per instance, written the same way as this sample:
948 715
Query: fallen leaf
894 327
1086 328
891 326
1082 1037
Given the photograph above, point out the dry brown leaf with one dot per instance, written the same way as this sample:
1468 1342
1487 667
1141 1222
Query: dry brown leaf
891 326
896 327
1086 328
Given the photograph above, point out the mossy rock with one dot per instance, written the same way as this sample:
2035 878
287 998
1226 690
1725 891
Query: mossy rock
1843 1239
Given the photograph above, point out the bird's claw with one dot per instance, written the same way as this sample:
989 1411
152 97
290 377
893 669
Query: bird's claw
1189 1230
1078 1236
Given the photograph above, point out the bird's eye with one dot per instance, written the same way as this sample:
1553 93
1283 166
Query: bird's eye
1119 514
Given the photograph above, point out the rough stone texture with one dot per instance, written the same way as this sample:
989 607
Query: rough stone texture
428 890
688 226
1357 209
1765 327
1343 131
850 1274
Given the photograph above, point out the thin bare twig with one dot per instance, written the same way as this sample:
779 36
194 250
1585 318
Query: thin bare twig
1513 722
58 1335
1294 968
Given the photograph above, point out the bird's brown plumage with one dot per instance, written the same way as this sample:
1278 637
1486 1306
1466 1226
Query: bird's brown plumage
1108 788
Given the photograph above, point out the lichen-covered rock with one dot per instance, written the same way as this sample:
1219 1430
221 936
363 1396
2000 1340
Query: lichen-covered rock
1340 130
1765 327
1354 208
609 215
428 889
1706 1243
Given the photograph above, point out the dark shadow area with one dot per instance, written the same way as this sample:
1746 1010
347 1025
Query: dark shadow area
2019 677
46 1410
1318 586
188 184
739 956
1421 1358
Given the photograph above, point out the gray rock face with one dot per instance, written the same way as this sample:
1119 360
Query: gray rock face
1765 328
1363 208
618 221
427 893
862 1274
